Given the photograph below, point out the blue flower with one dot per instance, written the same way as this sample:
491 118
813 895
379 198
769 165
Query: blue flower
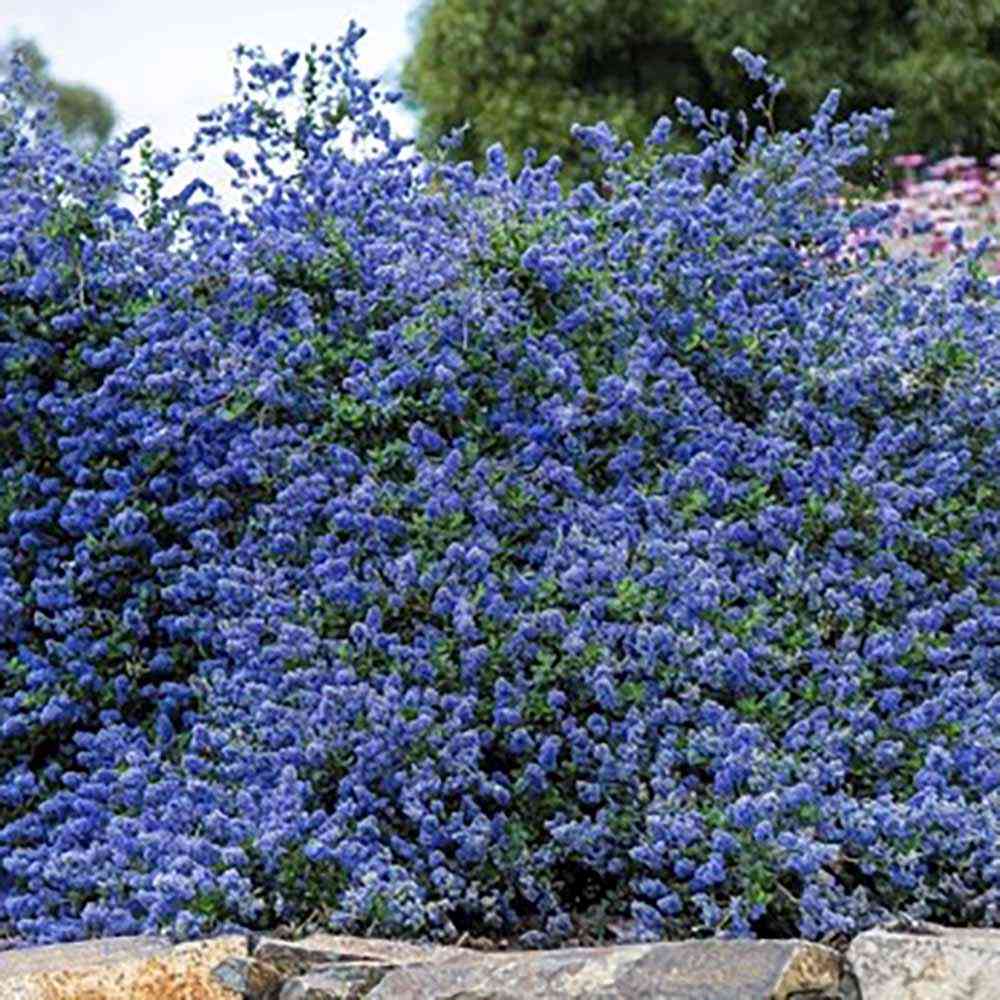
339 556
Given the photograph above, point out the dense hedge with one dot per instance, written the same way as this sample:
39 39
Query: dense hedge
419 552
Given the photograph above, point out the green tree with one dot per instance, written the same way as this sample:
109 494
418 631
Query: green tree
948 83
86 116
521 72
937 64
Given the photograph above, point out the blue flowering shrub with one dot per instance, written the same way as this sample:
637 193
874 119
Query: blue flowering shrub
418 553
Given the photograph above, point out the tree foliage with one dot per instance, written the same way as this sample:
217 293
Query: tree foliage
523 73
86 116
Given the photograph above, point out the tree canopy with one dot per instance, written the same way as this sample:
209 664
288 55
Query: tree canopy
522 73
86 116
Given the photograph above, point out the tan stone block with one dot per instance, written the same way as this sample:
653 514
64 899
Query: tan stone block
938 963
131 968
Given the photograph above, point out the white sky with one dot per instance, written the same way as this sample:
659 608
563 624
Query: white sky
161 64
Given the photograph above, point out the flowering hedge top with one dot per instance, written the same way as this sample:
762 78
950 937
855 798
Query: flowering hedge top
416 551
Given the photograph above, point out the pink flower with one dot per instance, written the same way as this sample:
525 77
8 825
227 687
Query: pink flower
951 165
938 245
909 160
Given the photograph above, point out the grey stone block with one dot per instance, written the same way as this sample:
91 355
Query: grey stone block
251 979
692 970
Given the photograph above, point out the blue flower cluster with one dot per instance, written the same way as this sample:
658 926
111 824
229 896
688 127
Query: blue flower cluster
436 552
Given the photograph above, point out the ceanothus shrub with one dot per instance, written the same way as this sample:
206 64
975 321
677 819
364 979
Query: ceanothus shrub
414 552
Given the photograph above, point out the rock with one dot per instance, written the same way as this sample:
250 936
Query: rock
353 980
928 962
912 961
249 978
294 958
689 970
328 965
124 968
